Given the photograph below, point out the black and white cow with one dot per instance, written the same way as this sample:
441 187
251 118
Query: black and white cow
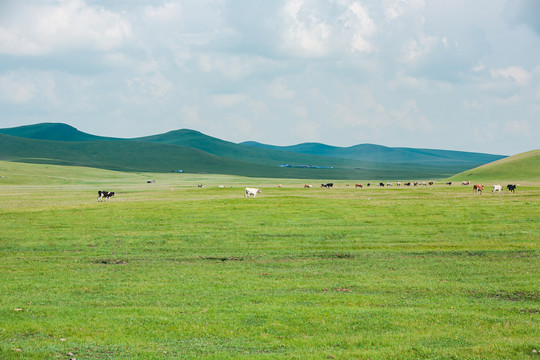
511 188
327 185
105 195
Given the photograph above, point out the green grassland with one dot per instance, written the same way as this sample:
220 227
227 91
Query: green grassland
520 167
168 270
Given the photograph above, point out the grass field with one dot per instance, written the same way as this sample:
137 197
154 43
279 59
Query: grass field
169 271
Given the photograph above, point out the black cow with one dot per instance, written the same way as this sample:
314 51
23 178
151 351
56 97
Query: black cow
381 184
511 188
327 185
105 195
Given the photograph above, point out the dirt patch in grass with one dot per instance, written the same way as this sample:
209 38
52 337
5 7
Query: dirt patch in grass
527 311
228 258
508 295
110 262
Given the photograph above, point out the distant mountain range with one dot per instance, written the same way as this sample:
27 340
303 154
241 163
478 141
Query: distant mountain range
379 153
192 151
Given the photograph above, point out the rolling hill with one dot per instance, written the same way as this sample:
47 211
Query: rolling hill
520 167
193 151
52 131
379 153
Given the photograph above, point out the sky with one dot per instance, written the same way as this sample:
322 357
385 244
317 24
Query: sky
454 75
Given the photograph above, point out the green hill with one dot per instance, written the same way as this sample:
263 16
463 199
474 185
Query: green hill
378 153
520 167
193 151
211 145
153 157
52 131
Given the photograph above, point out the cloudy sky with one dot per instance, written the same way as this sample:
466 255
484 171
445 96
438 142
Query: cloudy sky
456 75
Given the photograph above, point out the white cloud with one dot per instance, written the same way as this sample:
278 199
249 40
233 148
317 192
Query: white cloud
24 87
307 131
37 30
153 85
15 90
305 33
510 100
517 127
362 27
397 8
316 29
408 82
472 105
163 14
230 66
190 116
228 100
359 108
300 111
416 49
515 73
410 118
278 90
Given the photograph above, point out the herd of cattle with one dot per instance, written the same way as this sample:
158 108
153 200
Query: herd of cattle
477 189
248 192
252 192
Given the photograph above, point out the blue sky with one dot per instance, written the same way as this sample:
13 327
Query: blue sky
456 75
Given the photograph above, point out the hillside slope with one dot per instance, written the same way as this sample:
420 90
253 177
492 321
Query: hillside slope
215 146
52 131
193 151
520 167
379 153
153 157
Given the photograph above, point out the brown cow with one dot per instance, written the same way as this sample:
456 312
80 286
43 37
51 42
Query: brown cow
359 186
478 189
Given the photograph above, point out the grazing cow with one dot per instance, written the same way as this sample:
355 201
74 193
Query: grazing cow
307 186
199 186
511 188
449 183
407 184
221 186
359 186
368 184
497 188
398 184
279 186
430 183
389 184
478 189
381 184
105 195
424 183
251 191
327 185
415 183
466 183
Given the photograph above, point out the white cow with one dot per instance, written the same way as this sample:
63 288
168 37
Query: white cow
497 188
251 191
